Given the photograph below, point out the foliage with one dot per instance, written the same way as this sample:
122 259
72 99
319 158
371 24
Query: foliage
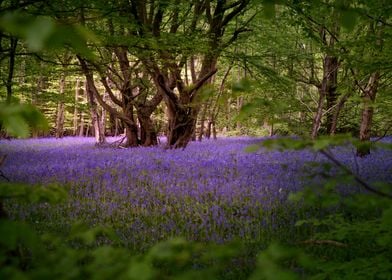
19 119
43 32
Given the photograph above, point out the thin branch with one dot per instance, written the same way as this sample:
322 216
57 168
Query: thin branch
107 107
233 13
385 134
110 92
360 181
336 39
201 82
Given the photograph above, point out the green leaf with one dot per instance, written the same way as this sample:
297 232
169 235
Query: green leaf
348 18
242 85
252 148
17 119
38 33
12 234
321 144
10 190
140 271
269 10
16 126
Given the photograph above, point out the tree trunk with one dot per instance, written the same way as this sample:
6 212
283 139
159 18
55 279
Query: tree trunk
131 135
240 103
148 135
95 118
182 111
214 133
11 67
76 111
331 94
103 113
181 127
318 115
81 127
60 109
327 89
202 121
367 113
336 112
208 131
113 125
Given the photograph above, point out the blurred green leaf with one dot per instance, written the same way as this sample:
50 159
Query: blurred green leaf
243 85
12 234
270 263
18 119
168 250
39 32
44 33
252 148
348 18
140 270
33 194
206 92
50 193
11 190
16 125
88 236
269 9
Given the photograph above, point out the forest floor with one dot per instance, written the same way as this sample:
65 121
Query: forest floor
213 191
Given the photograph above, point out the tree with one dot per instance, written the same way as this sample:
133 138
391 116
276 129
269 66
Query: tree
167 25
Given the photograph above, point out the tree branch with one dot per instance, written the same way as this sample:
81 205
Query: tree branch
107 107
201 82
361 182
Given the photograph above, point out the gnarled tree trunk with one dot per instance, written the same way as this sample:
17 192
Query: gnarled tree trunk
182 110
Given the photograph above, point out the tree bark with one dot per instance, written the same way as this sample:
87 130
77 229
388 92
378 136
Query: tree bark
148 135
367 112
11 68
127 116
331 94
182 111
76 111
336 112
145 108
328 86
60 108
81 127
240 103
167 65
209 129
95 118
327 90
318 115
369 95
202 122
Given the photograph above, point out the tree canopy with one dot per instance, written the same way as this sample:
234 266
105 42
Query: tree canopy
184 68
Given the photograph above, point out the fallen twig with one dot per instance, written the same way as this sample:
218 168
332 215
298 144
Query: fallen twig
324 242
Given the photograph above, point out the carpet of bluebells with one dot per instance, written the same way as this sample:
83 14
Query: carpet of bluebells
212 191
